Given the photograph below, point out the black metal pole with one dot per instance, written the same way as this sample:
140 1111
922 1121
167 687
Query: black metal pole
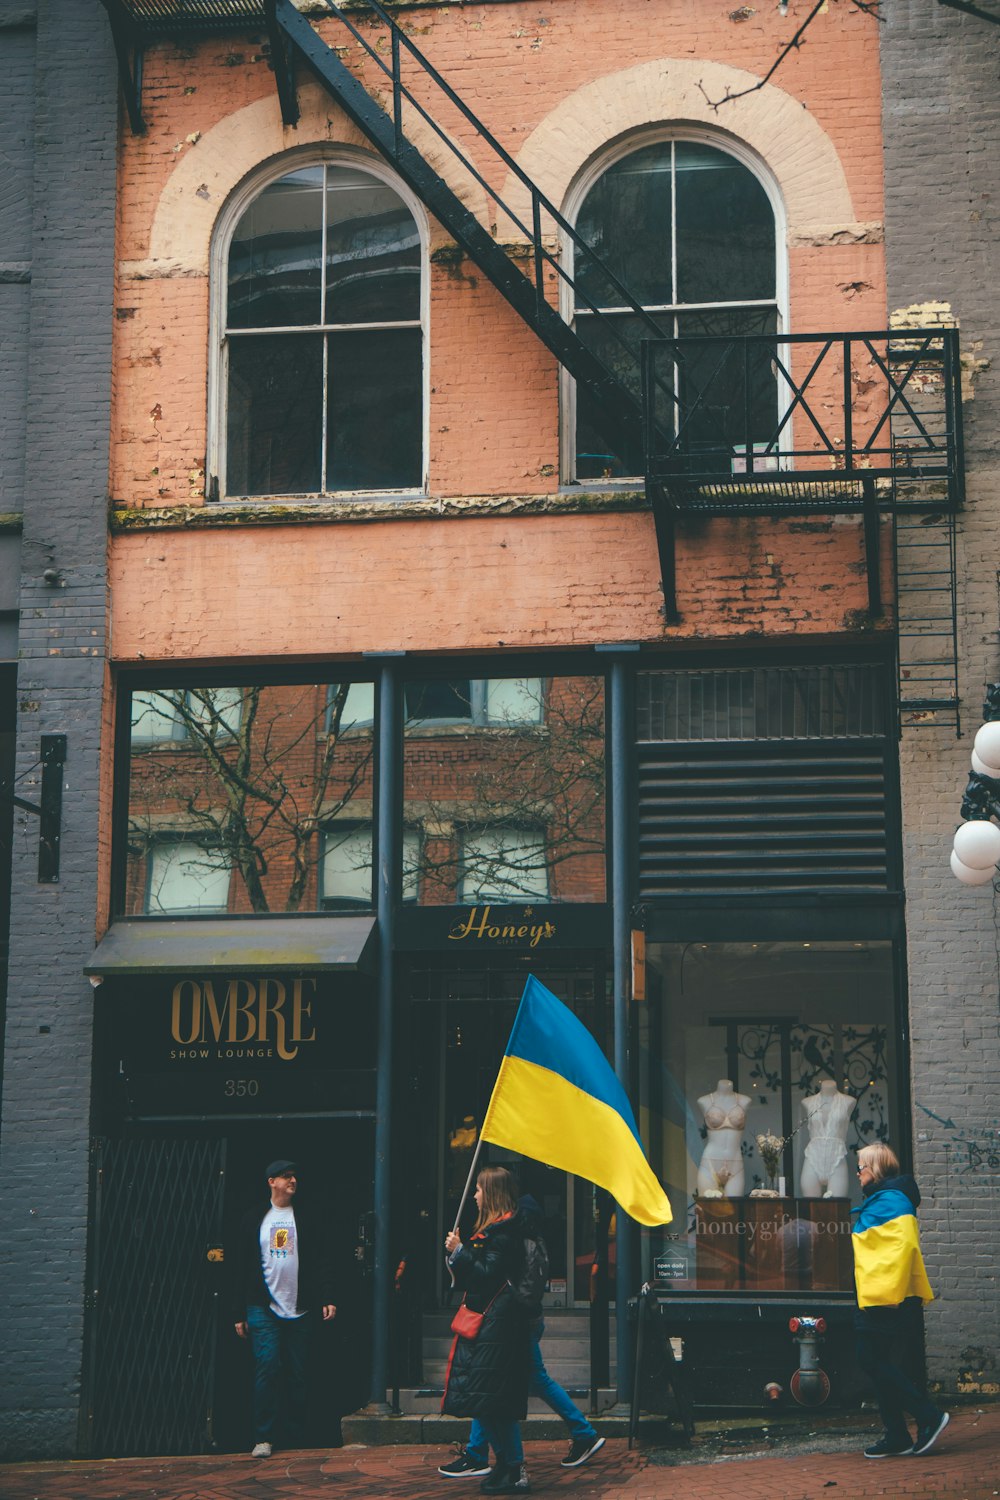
388 843
621 941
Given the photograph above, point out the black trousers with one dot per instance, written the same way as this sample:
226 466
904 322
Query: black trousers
885 1335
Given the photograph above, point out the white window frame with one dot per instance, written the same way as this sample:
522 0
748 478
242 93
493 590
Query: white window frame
218 349
575 199
468 896
173 846
349 828
176 736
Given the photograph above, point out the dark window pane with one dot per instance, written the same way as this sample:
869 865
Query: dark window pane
728 391
601 451
625 220
274 435
372 252
725 229
438 700
276 254
375 424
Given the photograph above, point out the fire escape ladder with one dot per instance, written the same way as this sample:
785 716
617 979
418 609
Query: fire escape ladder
924 526
616 407
927 618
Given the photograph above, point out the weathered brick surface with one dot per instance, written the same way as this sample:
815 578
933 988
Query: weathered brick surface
46 1099
941 111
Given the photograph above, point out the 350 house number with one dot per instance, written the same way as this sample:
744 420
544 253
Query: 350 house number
242 1088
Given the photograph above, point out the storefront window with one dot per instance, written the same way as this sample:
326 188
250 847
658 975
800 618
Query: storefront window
249 799
764 1068
504 780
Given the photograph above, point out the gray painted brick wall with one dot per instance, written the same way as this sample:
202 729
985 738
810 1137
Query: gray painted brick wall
941 74
65 431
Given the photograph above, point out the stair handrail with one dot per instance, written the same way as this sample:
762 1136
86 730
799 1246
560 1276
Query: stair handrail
539 200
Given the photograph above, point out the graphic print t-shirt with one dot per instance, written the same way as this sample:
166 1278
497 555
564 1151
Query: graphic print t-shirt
279 1255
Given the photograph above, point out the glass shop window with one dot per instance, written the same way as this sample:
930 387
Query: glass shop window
689 231
347 870
766 1066
504 778
323 338
230 790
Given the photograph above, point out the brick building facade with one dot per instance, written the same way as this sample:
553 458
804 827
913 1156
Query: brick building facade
441 647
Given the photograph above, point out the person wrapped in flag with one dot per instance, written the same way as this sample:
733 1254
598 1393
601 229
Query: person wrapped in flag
892 1286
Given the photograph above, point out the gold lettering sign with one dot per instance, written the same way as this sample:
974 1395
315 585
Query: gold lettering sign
212 1017
507 931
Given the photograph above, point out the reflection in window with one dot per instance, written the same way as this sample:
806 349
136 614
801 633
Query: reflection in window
347 866
690 232
184 714
505 776
323 338
249 776
504 864
184 877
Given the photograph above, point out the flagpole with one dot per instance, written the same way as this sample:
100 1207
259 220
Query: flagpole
468 1182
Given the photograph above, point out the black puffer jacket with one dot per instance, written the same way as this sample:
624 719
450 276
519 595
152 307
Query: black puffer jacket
488 1376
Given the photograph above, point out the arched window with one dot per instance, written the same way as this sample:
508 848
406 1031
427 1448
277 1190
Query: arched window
322 338
690 231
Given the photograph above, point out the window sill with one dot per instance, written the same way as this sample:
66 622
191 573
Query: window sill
295 511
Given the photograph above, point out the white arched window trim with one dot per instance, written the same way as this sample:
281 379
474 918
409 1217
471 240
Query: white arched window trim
254 183
575 198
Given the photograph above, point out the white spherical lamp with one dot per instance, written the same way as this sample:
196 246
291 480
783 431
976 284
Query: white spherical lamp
978 764
977 844
987 746
969 877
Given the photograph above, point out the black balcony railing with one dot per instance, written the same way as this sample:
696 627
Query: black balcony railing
804 421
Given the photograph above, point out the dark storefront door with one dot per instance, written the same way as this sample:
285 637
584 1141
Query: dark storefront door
166 1371
460 1022
154 1291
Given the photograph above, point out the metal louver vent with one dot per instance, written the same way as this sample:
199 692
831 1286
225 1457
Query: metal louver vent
151 1338
761 817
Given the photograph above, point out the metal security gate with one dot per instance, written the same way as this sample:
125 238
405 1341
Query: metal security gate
153 1291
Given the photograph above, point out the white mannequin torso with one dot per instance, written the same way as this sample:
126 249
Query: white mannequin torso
721 1165
824 1167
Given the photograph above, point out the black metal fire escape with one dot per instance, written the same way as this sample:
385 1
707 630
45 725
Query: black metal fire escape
616 408
759 424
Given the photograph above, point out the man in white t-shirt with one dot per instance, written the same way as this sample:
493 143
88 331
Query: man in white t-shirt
282 1278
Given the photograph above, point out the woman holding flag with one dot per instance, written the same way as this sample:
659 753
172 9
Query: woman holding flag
488 1372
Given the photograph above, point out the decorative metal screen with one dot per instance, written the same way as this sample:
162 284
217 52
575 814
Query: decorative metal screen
762 703
153 1295
762 779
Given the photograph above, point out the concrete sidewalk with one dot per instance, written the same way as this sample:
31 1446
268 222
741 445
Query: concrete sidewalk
815 1463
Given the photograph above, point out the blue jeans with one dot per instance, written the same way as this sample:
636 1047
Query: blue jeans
541 1384
280 1347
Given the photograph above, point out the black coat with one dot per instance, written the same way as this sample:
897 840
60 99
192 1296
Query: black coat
247 1287
488 1376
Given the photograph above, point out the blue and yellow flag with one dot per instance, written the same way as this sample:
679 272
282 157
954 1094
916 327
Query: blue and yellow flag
888 1264
557 1100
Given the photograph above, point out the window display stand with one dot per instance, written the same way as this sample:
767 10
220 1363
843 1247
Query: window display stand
773 1244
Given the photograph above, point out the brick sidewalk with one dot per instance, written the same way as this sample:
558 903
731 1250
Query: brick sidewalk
962 1466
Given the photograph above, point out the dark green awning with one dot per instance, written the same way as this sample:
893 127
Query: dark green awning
236 945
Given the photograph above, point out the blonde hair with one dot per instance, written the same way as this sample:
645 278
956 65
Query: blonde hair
499 1195
880 1160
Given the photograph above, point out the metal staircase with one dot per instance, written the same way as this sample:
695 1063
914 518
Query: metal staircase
927 619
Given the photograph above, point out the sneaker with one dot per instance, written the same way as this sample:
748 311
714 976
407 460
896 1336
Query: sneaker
928 1436
890 1447
465 1466
580 1449
506 1479
261 1450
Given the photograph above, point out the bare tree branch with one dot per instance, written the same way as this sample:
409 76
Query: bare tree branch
870 8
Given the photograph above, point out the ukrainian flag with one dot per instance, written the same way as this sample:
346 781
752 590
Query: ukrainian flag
557 1100
888 1264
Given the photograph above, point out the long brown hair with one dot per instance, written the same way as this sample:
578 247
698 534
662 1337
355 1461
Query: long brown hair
499 1195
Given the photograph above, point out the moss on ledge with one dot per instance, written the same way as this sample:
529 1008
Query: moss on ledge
214 517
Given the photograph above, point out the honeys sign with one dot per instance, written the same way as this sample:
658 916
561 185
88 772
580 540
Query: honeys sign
488 926
218 1044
